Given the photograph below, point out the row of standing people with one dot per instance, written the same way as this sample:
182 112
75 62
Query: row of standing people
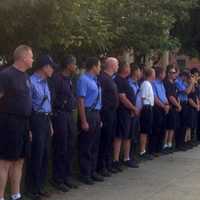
115 109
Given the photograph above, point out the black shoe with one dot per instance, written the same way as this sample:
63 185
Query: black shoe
146 156
117 166
131 164
60 186
98 178
113 170
71 184
156 155
182 148
87 180
171 150
44 194
165 151
105 173
34 196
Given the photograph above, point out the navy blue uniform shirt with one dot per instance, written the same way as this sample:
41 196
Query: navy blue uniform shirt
110 97
15 92
63 97
124 88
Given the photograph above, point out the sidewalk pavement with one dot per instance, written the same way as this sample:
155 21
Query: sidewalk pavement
171 177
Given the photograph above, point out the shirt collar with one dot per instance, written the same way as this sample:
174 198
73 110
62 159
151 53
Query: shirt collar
91 76
39 78
158 81
132 81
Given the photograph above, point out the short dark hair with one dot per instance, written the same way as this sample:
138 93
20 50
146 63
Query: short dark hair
159 71
70 59
122 65
91 62
194 70
169 68
185 73
134 68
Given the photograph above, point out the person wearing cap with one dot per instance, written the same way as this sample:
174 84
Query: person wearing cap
41 127
64 103
184 84
89 106
15 110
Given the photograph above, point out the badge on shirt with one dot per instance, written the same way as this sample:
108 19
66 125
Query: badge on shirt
1 94
28 84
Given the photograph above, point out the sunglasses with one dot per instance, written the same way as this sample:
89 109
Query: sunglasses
172 72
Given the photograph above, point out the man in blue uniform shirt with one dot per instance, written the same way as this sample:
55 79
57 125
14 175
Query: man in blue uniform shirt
15 110
89 105
64 103
134 80
184 85
161 109
40 126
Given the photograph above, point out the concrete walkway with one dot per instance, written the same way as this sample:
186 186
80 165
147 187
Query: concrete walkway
173 177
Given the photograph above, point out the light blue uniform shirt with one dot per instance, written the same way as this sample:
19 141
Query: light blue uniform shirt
181 87
41 98
136 89
88 87
159 91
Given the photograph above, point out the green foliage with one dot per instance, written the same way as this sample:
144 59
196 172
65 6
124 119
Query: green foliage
88 27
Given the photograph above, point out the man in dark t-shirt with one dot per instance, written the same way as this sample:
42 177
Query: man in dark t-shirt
110 103
15 109
125 112
172 118
64 104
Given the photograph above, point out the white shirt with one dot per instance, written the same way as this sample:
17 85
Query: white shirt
146 92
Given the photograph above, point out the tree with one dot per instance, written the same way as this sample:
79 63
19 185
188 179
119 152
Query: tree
86 27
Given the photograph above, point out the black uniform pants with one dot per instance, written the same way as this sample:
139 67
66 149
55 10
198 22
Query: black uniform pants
198 127
38 161
89 144
108 118
184 124
156 138
63 145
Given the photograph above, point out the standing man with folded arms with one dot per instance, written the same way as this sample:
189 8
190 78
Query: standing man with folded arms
41 127
15 110
89 106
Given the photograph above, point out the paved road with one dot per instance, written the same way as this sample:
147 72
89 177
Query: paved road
173 177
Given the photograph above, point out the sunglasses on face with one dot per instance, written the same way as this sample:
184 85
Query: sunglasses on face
172 72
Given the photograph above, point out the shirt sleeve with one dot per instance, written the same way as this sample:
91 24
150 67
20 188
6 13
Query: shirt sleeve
121 87
2 85
81 87
144 90
180 86
154 89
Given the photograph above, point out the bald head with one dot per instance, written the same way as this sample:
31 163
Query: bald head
111 65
